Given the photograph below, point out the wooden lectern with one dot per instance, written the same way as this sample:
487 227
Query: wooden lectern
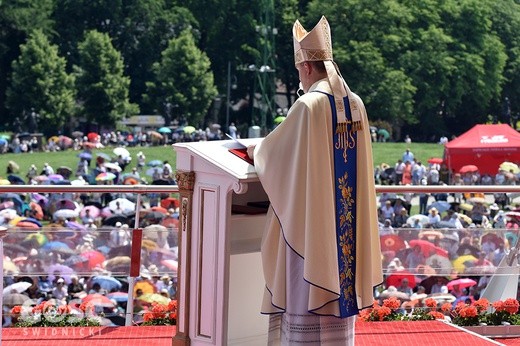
222 219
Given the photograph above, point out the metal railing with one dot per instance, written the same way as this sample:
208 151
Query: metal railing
140 190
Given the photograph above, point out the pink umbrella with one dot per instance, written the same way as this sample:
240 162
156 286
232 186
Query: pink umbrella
65 204
106 212
462 283
6 205
170 264
93 211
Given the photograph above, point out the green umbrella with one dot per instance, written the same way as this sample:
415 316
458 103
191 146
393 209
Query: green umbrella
279 119
384 133
189 129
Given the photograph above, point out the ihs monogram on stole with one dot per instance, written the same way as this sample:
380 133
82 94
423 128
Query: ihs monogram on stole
345 139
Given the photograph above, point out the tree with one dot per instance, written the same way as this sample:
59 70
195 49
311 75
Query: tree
184 79
18 18
40 85
102 86
140 30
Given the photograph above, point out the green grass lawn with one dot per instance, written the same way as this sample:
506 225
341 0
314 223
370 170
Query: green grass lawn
70 158
383 152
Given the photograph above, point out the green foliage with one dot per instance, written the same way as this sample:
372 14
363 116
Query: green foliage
426 67
39 83
192 89
102 86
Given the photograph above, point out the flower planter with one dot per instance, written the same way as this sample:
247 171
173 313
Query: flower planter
496 331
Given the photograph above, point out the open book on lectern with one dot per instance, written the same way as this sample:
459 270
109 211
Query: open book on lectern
242 151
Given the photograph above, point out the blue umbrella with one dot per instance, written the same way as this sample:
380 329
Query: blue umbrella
3 141
441 206
85 155
154 163
13 197
107 282
33 220
164 130
15 180
119 297
55 246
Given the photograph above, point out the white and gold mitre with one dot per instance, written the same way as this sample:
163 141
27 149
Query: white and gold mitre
315 45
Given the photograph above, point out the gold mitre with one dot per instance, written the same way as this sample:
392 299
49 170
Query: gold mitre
315 45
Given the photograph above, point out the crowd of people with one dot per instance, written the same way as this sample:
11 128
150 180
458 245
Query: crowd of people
67 247
28 143
452 235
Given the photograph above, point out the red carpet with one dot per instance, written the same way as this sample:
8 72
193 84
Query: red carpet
89 336
420 333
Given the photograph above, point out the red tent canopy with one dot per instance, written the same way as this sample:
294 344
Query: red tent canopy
485 146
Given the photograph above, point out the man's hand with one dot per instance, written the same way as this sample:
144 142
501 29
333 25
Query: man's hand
251 151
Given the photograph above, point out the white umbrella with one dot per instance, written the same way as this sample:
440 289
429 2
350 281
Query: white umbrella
121 204
113 166
119 151
17 287
441 264
66 213
423 219
154 232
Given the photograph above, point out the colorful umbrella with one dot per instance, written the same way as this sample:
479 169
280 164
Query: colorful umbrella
493 237
65 214
56 177
12 299
170 202
85 155
395 279
435 160
460 263
93 137
428 248
154 298
423 219
105 176
392 242
279 119
17 287
59 269
94 258
121 204
119 297
155 163
441 264
170 264
468 169
108 283
441 206
120 151
65 204
462 283
112 166
189 129
93 211
97 299
145 286
509 167
164 130
104 156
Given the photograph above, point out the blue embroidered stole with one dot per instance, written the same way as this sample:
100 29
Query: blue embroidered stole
345 172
